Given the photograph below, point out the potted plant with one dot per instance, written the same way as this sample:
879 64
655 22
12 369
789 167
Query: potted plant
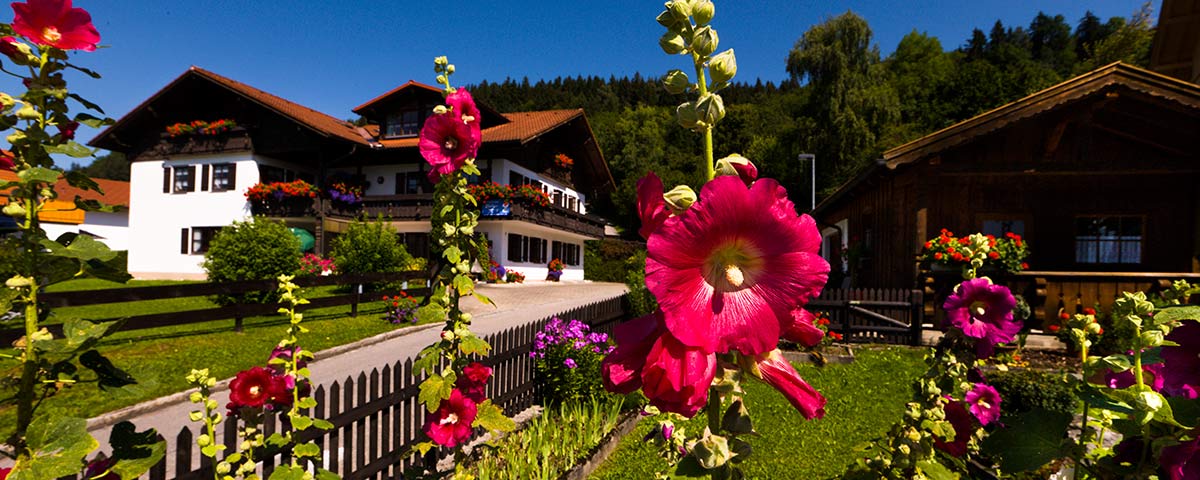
986 252
281 199
554 270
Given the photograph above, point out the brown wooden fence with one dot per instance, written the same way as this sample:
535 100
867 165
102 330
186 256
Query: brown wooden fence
873 315
236 312
376 415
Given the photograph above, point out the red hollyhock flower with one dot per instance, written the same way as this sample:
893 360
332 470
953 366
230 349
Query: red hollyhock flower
652 208
4 473
474 381
676 377
450 424
446 143
7 161
252 388
730 269
961 420
1182 461
67 130
779 373
621 370
54 23
462 105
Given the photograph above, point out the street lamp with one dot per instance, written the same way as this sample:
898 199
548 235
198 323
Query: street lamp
812 158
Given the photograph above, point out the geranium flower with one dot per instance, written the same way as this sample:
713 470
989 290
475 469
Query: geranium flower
1182 461
473 382
621 370
983 311
253 388
779 373
676 377
56 24
1181 365
729 270
984 403
450 424
446 143
652 208
960 419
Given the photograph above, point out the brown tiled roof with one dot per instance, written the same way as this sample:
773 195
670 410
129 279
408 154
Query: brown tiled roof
62 209
522 127
315 120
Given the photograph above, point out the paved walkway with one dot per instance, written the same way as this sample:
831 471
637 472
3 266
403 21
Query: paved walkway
516 305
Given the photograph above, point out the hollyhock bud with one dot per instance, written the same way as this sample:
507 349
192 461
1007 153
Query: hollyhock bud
17 51
7 162
441 61
672 43
668 430
676 82
703 11
687 115
777 372
712 451
705 41
13 209
738 165
711 108
680 9
667 19
723 67
680 198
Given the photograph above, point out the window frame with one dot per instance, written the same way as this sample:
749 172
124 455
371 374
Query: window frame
201 235
1118 239
230 183
190 171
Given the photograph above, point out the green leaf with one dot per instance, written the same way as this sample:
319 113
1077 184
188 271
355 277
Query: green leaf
39 174
737 419
82 247
110 376
112 270
93 121
307 402
452 253
1098 397
70 149
86 103
322 424
1187 411
135 451
484 299
472 344
427 359
435 389
277 440
463 284
1029 440
82 334
309 449
936 471
288 472
323 474
300 422
424 447
1171 314
58 446
1116 363
80 180
689 467
491 417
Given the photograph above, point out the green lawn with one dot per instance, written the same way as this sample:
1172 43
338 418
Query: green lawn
159 358
864 399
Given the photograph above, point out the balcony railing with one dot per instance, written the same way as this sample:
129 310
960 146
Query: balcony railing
420 207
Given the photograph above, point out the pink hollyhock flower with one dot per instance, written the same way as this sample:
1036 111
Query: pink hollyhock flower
56 24
1182 461
802 329
473 382
652 208
463 106
621 370
984 403
676 377
251 388
1151 374
446 143
8 47
960 419
779 373
728 271
983 311
450 424
1181 365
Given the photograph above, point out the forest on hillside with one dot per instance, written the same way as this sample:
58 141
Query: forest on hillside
843 101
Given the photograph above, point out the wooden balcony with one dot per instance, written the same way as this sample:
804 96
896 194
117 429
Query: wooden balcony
420 207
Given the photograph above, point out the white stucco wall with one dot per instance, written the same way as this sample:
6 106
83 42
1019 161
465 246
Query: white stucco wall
501 168
498 230
113 228
156 218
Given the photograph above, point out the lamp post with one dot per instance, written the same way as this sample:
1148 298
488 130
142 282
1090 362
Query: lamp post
812 158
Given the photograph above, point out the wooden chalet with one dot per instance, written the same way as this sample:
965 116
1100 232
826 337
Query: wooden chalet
1100 174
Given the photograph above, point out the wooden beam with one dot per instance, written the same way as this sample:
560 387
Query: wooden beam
1142 140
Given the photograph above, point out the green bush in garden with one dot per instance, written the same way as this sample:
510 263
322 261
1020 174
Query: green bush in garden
641 301
1027 390
567 356
370 246
610 260
257 249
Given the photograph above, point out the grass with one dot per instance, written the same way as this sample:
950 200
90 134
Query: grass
159 358
864 399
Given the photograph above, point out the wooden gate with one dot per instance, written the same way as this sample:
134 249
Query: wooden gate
869 315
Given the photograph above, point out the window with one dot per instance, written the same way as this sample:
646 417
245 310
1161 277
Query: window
1109 239
184 179
999 227
574 206
571 254
410 183
516 179
223 178
517 247
556 250
403 124
536 254
196 239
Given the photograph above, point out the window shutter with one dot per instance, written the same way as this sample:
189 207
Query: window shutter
191 169
400 184
232 185
184 241
204 178
544 259
166 179
514 247
524 248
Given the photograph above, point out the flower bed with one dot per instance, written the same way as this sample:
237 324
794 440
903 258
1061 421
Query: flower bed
527 194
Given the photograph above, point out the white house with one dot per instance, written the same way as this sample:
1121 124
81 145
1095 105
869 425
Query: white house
186 185
60 216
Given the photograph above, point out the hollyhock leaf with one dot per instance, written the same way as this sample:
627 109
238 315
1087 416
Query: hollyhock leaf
322 424
492 418
70 149
1028 441
427 359
463 284
300 422
689 467
936 471
453 254
39 174
1174 314
58 446
1100 397
484 299
473 345
1185 410
309 449
134 451
435 389
737 419
1115 363
109 375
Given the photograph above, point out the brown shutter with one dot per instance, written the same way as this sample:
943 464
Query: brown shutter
232 185
204 178
184 241
544 253
191 178
166 179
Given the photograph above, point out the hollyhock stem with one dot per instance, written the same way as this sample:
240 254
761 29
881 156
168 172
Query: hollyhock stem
702 82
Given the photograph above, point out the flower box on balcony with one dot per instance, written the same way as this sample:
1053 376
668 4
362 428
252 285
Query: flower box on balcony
495 208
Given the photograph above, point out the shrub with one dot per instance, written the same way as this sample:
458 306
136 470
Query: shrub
641 301
370 247
1024 390
258 249
567 365
610 260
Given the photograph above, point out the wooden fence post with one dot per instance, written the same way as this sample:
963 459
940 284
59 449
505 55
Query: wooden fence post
358 289
237 318
918 316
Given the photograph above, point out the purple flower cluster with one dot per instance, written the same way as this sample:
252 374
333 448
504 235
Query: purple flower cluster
574 334
347 198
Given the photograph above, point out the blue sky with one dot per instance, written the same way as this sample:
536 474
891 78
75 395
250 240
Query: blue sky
334 55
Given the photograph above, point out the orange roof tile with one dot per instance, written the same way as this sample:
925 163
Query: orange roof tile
522 127
62 209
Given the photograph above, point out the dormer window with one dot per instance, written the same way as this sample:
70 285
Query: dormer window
403 124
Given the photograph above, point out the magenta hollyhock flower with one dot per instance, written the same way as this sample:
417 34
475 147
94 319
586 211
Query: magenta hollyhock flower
984 403
253 387
729 270
463 106
1151 374
56 24
676 377
960 419
779 373
1181 365
446 143
1182 461
802 329
570 363
450 424
652 208
621 370
983 311
473 381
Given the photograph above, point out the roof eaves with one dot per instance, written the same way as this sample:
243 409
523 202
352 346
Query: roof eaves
410 83
876 167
